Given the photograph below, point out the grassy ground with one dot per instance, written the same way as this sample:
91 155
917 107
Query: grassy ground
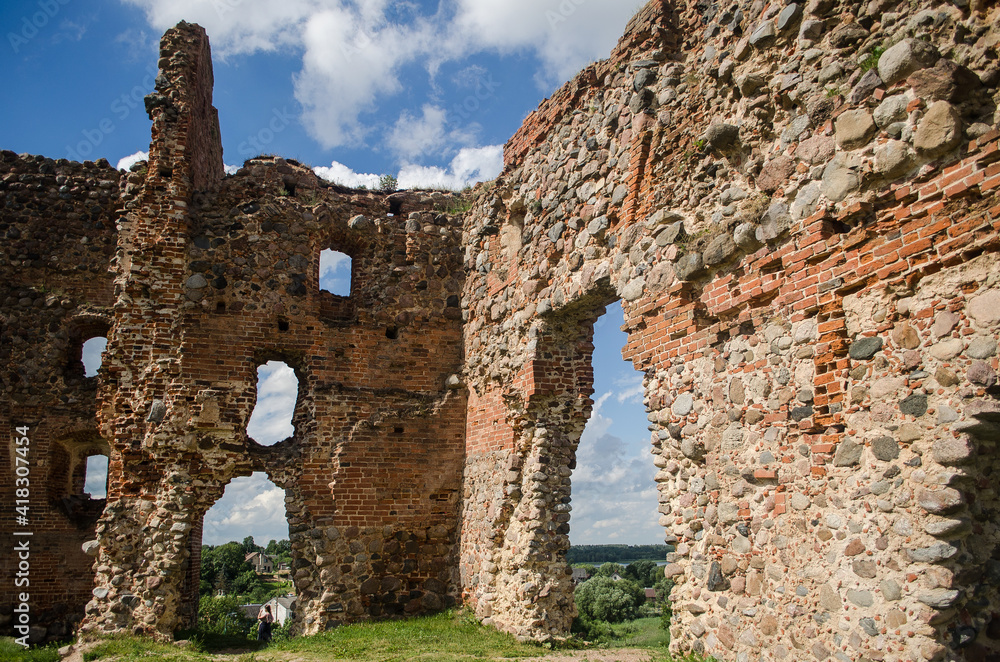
444 637
642 633
10 651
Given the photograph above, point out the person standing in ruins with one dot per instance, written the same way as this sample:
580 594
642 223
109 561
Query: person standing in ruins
264 620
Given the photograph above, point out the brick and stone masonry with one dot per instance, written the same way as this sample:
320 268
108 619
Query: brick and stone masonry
797 206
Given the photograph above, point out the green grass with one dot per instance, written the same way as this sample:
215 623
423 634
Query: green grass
446 637
133 648
10 650
643 633
442 637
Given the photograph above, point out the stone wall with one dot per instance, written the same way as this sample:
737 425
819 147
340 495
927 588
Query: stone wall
797 206
213 276
58 224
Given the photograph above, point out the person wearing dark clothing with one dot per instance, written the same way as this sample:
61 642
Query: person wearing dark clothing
264 620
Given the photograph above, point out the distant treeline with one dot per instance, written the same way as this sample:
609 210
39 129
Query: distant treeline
616 553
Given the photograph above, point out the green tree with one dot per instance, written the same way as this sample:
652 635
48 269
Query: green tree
249 546
221 565
278 547
387 183
663 587
246 582
644 572
610 569
222 614
604 599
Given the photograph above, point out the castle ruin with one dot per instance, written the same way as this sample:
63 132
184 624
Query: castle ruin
797 206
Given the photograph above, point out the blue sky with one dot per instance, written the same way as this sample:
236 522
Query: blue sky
426 91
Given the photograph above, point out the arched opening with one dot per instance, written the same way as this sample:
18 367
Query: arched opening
78 476
335 272
614 495
95 483
93 354
277 393
245 558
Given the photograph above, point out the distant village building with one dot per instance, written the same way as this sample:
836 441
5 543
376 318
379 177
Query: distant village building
282 608
580 575
262 563
251 610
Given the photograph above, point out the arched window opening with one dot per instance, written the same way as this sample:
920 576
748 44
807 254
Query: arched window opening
614 496
95 483
92 355
277 393
245 550
335 272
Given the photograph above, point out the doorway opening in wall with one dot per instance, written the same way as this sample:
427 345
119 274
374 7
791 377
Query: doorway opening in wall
246 561
335 272
614 531
277 393
92 355
245 556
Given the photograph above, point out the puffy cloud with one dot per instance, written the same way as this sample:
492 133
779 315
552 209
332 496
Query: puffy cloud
470 165
250 506
565 34
93 354
236 26
335 272
277 390
127 162
96 484
338 173
354 50
614 491
428 134
350 60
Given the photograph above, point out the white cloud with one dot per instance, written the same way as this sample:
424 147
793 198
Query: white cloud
338 173
277 390
350 61
93 354
565 34
250 506
235 26
354 50
412 136
470 165
96 484
614 491
127 162
630 389
335 272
